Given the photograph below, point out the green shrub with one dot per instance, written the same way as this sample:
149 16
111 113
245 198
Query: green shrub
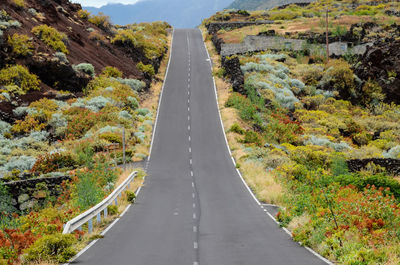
243 104
339 166
283 15
51 37
340 77
88 190
101 20
6 207
237 129
145 37
362 138
19 3
147 69
372 93
86 68
20 44
112 137
54 248
251 137
110 71
379 181
130 196
53 162
112 209
17 80
83 14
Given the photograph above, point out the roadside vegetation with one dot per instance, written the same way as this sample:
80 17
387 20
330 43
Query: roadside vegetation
301 123
69 143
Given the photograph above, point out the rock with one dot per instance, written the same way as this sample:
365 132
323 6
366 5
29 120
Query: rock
217 42
270 32
23 198
381 62
28 205
53 72
233 71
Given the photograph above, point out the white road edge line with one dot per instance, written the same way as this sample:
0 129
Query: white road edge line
151 149
240 175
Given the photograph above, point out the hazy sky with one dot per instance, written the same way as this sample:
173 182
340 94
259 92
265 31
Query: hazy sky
99 3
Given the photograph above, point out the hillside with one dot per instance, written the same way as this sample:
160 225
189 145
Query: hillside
262 4
180 14
77 99
317 135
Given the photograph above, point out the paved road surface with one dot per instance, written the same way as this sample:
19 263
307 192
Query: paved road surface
194 208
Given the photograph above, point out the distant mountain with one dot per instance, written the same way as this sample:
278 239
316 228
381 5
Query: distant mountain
262 4
180 14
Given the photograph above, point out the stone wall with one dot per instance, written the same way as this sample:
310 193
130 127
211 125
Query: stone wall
392 166
263 43
214 27
27 194
235 74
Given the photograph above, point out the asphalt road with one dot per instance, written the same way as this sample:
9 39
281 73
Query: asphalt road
194 208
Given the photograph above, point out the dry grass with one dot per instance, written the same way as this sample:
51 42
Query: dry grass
263 184
298 25
299 221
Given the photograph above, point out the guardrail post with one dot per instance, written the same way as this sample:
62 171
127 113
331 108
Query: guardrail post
80 228
90 226
99 218
105 212
116 201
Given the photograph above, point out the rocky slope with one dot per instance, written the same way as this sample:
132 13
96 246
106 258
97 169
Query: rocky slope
85 42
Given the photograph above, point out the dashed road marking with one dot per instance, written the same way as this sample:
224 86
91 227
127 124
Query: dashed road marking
190 149
194 216
194 229
191 173
193 195
191 162
195 245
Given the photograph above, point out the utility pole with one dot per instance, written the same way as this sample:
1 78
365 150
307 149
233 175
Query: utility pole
327 33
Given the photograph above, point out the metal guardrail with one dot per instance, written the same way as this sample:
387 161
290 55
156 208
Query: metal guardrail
87 217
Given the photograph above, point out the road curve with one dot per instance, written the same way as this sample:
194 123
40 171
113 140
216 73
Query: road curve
193 208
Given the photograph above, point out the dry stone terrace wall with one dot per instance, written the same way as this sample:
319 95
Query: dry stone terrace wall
392 166
27 194
263 43
215 26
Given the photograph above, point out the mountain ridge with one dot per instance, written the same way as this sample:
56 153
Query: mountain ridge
186 15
